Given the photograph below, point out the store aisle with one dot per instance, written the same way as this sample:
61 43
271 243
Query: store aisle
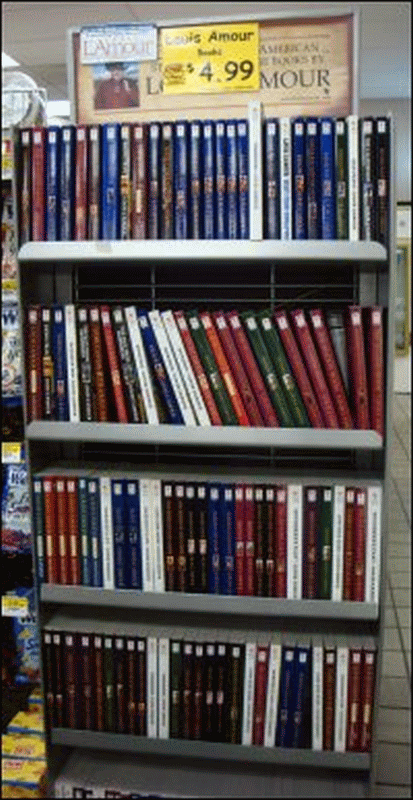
394 772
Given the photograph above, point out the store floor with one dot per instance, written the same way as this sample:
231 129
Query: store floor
394 731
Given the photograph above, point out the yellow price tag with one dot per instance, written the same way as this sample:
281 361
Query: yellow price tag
11 452
14 606
210 58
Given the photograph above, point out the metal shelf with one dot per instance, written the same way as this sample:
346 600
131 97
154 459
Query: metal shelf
214 436
210 750
187 250
209 604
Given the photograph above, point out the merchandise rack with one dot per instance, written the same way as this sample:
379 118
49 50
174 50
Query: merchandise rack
73 272
260 274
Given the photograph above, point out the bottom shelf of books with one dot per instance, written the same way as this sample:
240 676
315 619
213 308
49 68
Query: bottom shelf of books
216 694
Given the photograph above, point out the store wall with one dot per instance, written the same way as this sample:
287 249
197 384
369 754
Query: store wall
401 111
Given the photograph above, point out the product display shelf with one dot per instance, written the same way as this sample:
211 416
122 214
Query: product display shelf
210 750
57 272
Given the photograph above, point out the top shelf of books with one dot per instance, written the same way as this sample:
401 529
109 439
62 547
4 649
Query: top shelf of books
205 250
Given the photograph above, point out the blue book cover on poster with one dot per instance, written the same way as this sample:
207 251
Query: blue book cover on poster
209 193
158 367
243 179
227 540
119 533
95 540
221 180
110 180
133 535
67 183
213 529
271 179
85 545
61 402
283 737
53 136
154 172
327 180
195 180
232 179
299 695
181 176
298 182
312 160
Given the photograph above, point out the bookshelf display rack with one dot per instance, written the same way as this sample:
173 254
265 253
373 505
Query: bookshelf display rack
84 272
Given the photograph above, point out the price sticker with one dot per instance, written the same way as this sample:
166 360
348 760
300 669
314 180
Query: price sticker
14 606
210 58
11 453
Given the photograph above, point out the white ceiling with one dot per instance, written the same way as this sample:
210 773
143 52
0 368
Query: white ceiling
35 35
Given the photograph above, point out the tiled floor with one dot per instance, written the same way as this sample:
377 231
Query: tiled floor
394 731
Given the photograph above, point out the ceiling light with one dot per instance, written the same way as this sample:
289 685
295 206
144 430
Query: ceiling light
8 61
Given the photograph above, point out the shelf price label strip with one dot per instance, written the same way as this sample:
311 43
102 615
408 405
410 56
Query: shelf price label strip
210 58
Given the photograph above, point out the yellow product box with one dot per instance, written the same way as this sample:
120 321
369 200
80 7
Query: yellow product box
21 778
21 745
27 722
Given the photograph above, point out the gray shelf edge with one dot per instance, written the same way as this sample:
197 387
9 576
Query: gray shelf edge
234 250
222 436
220 604
210 750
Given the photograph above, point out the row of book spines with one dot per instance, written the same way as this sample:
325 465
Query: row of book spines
267 694
291 541
323 178
327 179
135 181
247 369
